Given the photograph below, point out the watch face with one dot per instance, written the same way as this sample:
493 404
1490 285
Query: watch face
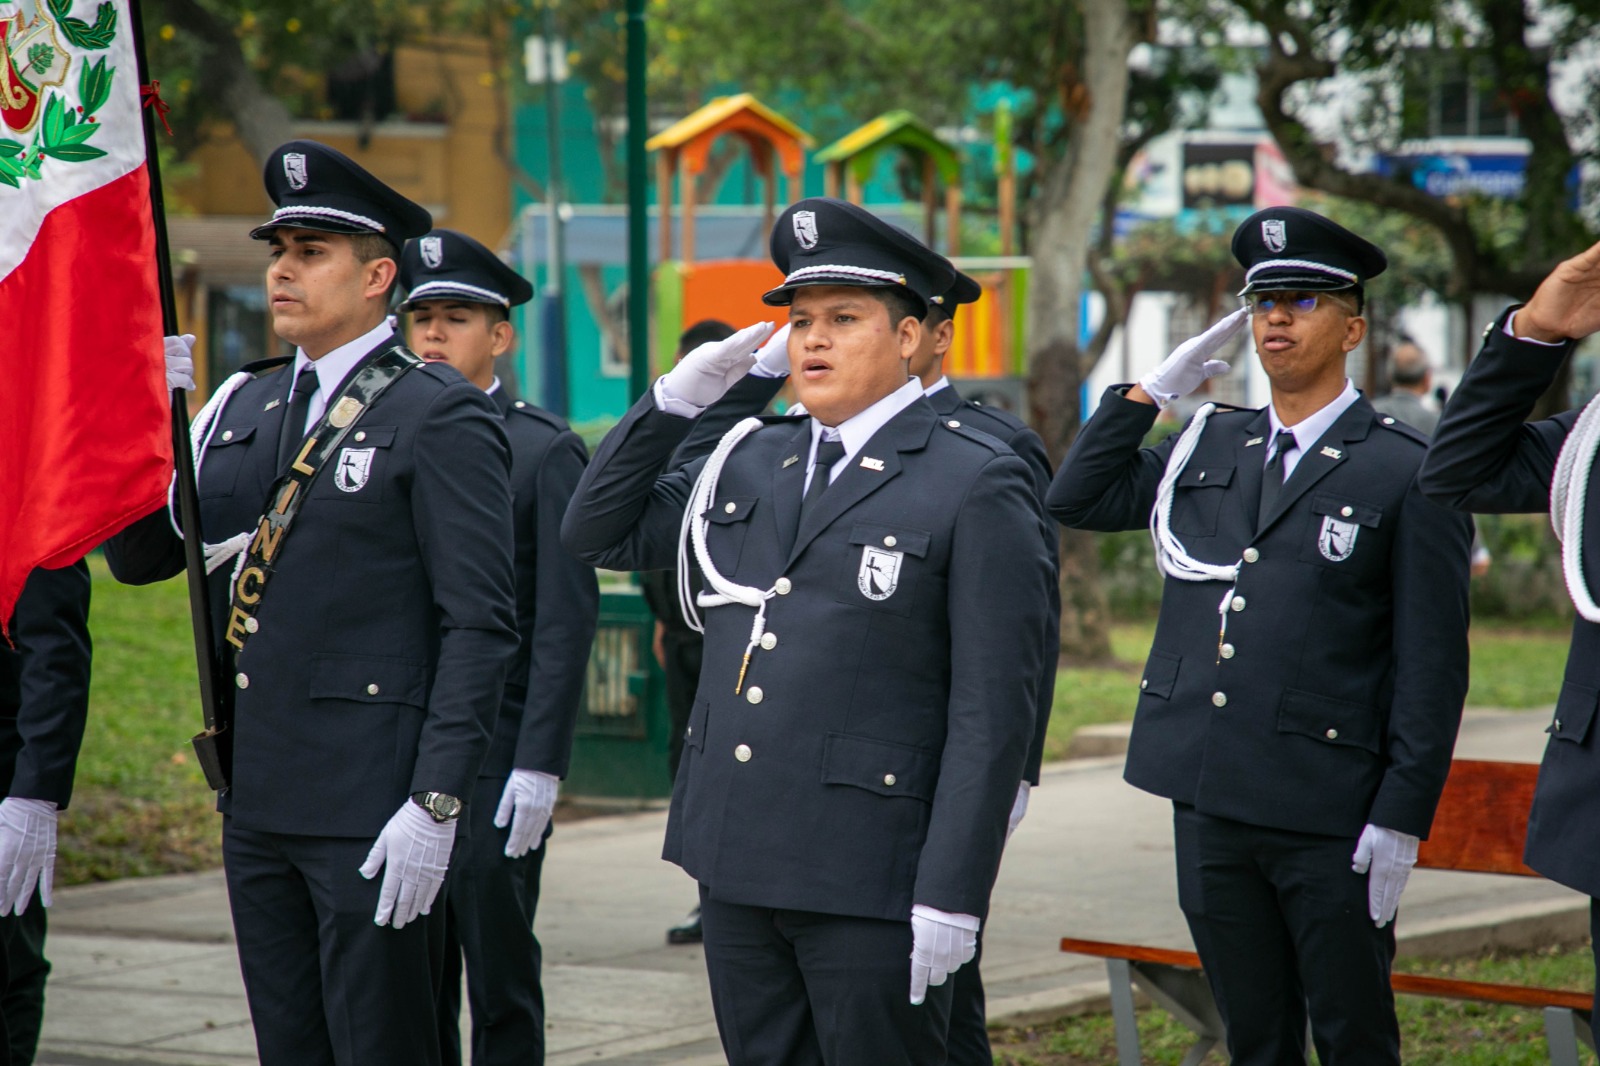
445 807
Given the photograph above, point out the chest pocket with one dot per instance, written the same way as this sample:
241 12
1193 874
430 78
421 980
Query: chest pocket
1197 499
1345 534
225 456
884 565
358 470
729 520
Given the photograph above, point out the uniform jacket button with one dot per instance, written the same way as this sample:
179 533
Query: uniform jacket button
769 641
361 435
1227 651
242 680
1145 683
1238 603
953 424
1220 699
1346 512
1388 421
1332 734
730 507
1251 555
1558 725
251 625
227 434
888 779
372 690
889 542
755 695
742 753
784 586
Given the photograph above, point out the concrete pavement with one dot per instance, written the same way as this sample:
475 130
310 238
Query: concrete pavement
145 971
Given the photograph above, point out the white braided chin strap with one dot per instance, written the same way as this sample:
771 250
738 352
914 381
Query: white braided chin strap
719 591
1569 495
200 431
1172 558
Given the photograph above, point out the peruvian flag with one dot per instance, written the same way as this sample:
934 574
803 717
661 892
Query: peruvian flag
85 419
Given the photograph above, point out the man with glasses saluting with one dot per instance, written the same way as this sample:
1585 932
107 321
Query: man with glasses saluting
1302 697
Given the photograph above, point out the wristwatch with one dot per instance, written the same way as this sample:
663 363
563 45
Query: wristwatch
440 806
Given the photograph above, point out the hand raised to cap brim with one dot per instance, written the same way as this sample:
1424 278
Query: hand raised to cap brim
1567 303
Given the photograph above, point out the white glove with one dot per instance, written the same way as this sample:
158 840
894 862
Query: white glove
702 377
1019 807
413 851
772 361
27 852
1390 855
526 806
179 355
1191 363
940 944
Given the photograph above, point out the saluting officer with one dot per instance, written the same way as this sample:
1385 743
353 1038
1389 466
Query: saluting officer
875 599
44 702
1486 458
367 622
1304 690
460 295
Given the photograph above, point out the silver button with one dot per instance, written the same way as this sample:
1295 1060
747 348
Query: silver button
1388 421
1251 555
1227 651
242 680
953 424
1558 725
689 732
372 690
1144 684
755 695
1202 476
1332 734
742 753
251 625
888 779
783 585
1346 512
769 641
227 434
361 434
1238 603
1219 699
889 541
520 404
730 507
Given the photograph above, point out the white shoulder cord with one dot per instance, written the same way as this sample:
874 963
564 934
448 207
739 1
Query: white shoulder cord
200 431
720 591
1172 558
1569 496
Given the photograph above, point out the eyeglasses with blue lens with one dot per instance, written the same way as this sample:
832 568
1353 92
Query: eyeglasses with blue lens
1298 303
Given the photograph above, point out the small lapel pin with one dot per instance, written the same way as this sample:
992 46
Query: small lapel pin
870 463
793 459
271 405
1253 441
1333 453
1202 476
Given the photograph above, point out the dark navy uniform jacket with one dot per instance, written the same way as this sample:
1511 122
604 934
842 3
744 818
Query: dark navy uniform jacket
872 756
384 633
44 686
558 598
1485 458
1334 697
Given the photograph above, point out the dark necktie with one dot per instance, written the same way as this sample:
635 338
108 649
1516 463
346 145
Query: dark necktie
1272 477
829 452
294 419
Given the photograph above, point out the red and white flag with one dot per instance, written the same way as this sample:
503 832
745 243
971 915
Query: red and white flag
85 444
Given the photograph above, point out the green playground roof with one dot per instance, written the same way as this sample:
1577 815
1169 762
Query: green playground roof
896 129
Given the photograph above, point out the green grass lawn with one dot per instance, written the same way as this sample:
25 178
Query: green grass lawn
1433 1032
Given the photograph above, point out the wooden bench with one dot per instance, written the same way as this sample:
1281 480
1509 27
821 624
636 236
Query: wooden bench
1480 827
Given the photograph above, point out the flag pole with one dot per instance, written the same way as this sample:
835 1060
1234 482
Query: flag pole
183 455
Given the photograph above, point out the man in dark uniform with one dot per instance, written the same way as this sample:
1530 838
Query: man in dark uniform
459 295
44 702
874 612
1303 694
1486 458
367 641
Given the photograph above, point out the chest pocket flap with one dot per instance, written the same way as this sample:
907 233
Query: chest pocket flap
1346 510
732 509
369 437
900 538
227 438
1212 477
368 679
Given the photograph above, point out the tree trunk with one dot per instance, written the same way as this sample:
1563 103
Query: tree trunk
259 118
1062 212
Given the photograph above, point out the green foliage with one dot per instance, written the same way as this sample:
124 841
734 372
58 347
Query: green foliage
79 32
94 86
40 56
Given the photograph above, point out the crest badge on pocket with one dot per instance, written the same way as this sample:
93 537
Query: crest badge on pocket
355 466
1337 539
879 575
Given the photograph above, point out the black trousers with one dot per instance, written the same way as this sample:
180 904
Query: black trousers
489 919
968 1042
23 969
797 988
683 678
1282 928
1594 937
327 986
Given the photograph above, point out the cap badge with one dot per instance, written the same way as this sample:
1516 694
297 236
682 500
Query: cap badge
1275 233
432 249
294 168
805 229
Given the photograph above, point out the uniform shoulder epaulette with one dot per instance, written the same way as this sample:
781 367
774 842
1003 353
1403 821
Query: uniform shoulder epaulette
537 412
1405 430
263 366
999 414
977 436
782 420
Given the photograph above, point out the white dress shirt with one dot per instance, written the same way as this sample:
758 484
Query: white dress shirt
1309 429
333 368
855 431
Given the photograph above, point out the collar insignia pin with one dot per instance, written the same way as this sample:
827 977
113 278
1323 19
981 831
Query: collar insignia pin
870 463
271 405
1253 441
793 459
1333 453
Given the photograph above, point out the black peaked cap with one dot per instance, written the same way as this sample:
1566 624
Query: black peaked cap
446 265
822 241
320 188
1292 248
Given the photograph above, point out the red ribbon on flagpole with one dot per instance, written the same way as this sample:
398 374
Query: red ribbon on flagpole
151 97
